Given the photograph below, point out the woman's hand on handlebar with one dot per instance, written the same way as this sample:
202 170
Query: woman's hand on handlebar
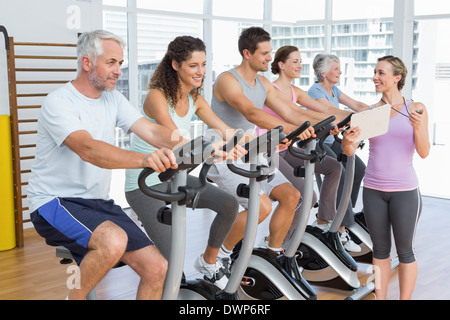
237 152
308 133
160 160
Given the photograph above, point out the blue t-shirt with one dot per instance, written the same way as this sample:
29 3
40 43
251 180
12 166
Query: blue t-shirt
57 170
317 91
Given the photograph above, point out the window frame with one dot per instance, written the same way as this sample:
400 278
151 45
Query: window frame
403 19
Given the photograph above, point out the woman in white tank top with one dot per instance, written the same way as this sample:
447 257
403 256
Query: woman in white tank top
175 95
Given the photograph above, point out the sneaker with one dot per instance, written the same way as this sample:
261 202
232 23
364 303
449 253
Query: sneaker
214 273
324 227
348 243
278 251
226 264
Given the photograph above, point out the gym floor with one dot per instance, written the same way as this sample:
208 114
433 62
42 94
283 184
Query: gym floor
34 273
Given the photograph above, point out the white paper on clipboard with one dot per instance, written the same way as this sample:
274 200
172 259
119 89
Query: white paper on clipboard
372 122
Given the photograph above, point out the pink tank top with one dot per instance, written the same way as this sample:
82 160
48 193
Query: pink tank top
259 131
390 165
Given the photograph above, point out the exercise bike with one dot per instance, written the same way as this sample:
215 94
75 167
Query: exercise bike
267 276
359 233
188 156
324 260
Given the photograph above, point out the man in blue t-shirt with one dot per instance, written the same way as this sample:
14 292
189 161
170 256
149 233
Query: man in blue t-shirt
70 180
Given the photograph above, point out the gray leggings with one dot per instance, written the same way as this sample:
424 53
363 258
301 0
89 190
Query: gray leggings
401 210
329 167
146 208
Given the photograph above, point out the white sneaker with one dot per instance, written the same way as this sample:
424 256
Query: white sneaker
348 243
214 273
324 227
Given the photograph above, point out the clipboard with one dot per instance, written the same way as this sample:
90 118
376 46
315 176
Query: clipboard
373 122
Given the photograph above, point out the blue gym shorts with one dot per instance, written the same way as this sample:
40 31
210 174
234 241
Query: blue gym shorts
69 222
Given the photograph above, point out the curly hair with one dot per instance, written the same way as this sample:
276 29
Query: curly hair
165 77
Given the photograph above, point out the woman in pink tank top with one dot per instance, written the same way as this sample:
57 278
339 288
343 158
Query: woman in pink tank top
391 195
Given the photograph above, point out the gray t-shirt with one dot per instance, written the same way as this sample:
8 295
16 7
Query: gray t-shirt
219 172
57 170
234 118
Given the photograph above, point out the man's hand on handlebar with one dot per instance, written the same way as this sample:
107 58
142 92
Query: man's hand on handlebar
335 131
160 160
284 144
306 134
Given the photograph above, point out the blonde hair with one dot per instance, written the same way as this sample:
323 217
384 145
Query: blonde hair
398 67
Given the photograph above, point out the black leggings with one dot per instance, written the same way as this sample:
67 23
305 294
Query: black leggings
401 210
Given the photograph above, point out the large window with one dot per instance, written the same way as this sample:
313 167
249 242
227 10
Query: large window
117 22
295 10
119 3
154 33
414 30
358 45
432 86
309 39
357 9
426 7
225 45
248 9
191 6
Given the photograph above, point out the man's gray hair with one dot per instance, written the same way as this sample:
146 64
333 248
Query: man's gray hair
90 44
321 64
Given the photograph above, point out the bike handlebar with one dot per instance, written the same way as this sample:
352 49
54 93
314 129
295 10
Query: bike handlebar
186 157
322 130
